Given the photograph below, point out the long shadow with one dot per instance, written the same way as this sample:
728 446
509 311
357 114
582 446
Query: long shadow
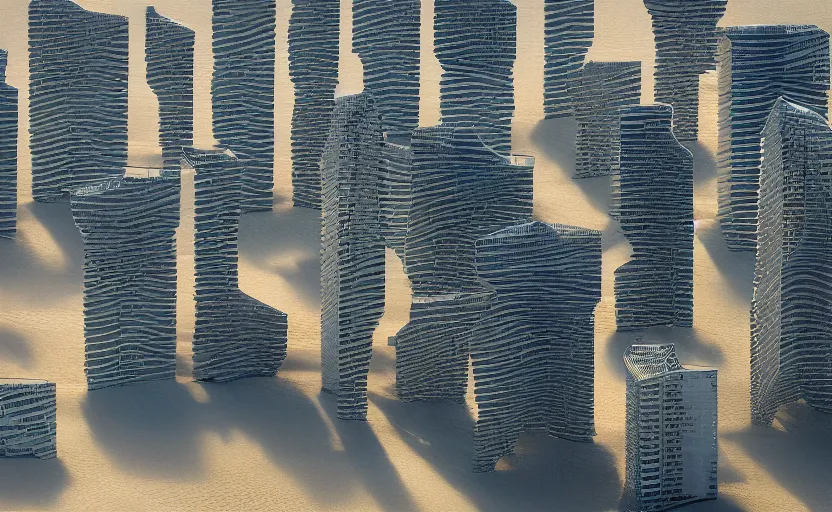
704 165
736 268
31 483
15 346
798 456
545 473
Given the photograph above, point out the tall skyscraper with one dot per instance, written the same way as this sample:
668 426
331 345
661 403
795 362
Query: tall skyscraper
394 194
169 52
352 251
533 352
569 30
128 226
77 97
654 193
757 65
242 91
671 431
791 312
236 336
8 153
314 30
27 418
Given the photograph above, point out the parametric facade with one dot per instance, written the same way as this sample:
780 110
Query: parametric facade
569 30
8 153
77 97
757 65
314 29
394 194
386 37
236 336
533 352
128 226
242 91
654 189
476 44
27 418
352 251
461 190
599 91
686 41
169 52
671 431
791 312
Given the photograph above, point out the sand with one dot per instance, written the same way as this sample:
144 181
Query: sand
274 444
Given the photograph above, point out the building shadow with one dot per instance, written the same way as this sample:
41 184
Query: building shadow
556 139
736 268
29 483
704 164
15 346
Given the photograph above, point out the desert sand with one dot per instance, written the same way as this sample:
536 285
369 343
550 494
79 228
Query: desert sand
274 444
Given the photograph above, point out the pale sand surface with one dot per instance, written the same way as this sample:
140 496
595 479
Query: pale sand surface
274 444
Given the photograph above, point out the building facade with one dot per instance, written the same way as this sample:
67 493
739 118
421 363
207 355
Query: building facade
569 30
8 153
27 419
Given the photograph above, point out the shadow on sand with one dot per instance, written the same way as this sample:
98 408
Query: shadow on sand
736 268
31 483
14 346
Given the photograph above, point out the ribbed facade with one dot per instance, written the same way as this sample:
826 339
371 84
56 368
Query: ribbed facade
352 251
757 65
599 90
8 153
686 41
77 97
655 196
791 312
394 195
27 419
476 44
460 190
314 29
242 91
386 37
128 226
169 52
671 431
569 30
533 353
236 336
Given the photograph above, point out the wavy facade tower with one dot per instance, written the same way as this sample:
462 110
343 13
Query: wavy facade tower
242 91
169 52
27 418
314 30
8 153
394 195
686 41
655 193
533 353
570 28
791 312
476 44
128 226
236 336
461 190
77 97
352 251
386 37
757 65
599 91
671 431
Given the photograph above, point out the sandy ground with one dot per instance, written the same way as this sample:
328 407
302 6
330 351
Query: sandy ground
274 444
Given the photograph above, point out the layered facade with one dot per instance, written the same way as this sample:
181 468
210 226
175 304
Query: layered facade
686 41
169 52
671 431
242 92
236 336
8 153
394 194
791 311
569 30
599 91
77 97
654 189
352 251
757 65
533 352
476 44
460 190
128 226
386 37
314 29
27 418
